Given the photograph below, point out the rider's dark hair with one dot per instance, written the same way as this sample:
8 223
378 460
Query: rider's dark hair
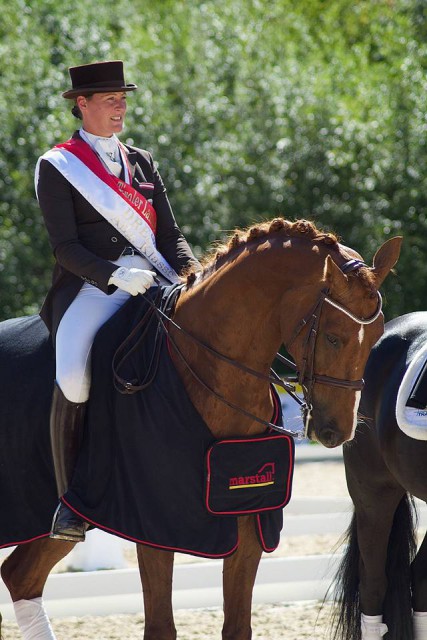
76 110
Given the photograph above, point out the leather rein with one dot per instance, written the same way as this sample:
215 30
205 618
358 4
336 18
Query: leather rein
307 378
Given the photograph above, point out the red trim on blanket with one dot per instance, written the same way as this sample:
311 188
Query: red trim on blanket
261 537
147 542
14 544
248 511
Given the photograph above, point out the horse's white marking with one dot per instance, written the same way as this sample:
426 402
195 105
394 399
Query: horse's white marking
307 422
357 394
356 407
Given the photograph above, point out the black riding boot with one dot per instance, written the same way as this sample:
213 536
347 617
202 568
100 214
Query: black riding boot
66 431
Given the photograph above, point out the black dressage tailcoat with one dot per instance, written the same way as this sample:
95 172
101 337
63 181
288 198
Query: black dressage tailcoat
84 243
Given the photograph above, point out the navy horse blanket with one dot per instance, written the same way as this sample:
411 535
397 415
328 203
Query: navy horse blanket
141 470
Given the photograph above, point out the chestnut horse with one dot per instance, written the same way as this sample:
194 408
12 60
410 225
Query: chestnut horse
382 574
277 283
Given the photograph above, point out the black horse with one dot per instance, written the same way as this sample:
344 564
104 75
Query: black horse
382 573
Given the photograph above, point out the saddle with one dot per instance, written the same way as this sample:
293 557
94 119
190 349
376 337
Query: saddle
411 403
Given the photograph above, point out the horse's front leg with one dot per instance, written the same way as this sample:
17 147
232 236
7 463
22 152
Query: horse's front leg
238 580
27 568
24 573
156 570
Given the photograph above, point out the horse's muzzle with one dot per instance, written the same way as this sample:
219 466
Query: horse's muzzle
327 434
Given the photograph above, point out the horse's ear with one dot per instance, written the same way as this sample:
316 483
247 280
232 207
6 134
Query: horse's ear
334 277
385 259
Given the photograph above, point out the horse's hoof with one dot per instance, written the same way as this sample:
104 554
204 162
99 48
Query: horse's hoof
67 525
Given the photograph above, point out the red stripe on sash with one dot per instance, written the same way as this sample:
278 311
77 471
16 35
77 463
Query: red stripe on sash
131 196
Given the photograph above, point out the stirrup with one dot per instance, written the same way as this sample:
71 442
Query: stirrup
66 525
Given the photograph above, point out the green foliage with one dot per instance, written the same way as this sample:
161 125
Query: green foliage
312 109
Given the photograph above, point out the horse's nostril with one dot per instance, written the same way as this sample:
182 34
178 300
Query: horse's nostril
330 438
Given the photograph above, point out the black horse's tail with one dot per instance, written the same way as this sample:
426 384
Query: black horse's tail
397 606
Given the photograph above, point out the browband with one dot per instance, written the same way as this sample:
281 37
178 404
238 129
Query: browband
352 265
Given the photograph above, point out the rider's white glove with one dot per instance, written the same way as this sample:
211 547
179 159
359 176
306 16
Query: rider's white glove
133 281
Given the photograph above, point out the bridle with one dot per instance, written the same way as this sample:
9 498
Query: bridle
307 378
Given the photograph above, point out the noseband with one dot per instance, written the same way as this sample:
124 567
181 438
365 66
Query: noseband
306 377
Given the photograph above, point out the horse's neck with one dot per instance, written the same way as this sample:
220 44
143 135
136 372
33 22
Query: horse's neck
236 316
236 311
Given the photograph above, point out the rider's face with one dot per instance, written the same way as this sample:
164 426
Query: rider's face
103 113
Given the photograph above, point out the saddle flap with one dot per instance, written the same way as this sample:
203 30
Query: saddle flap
411 402
418 396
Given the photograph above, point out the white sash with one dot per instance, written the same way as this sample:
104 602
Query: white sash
121 205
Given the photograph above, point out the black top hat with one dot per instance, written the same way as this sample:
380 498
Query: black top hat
98 77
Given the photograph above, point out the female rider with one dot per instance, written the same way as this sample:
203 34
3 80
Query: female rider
112 230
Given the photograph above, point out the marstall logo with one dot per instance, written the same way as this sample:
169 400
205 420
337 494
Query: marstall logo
262 478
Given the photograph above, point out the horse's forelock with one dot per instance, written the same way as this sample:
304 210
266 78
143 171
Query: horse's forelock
360 282
367 278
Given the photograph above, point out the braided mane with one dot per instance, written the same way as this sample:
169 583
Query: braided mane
240 237
297 229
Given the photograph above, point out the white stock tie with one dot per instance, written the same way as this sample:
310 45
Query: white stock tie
108 149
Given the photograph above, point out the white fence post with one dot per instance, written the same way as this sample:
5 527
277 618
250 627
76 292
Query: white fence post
100 550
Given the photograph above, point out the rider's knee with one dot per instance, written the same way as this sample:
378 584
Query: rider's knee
74 385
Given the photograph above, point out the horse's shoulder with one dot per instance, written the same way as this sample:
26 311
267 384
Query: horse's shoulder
22 321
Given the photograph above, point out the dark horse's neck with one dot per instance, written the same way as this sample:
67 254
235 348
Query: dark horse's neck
239 309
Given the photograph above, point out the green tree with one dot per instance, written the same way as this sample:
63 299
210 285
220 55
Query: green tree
313 109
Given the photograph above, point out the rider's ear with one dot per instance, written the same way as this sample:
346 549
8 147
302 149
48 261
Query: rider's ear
81 102
334 277
385 259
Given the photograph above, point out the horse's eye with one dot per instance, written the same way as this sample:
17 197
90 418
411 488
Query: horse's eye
333 340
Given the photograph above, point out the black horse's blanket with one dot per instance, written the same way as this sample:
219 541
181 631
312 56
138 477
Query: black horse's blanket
27 482
140 473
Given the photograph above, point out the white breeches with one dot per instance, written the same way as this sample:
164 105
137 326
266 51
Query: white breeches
90 309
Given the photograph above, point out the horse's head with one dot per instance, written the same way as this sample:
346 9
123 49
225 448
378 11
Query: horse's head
333 336
281 282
